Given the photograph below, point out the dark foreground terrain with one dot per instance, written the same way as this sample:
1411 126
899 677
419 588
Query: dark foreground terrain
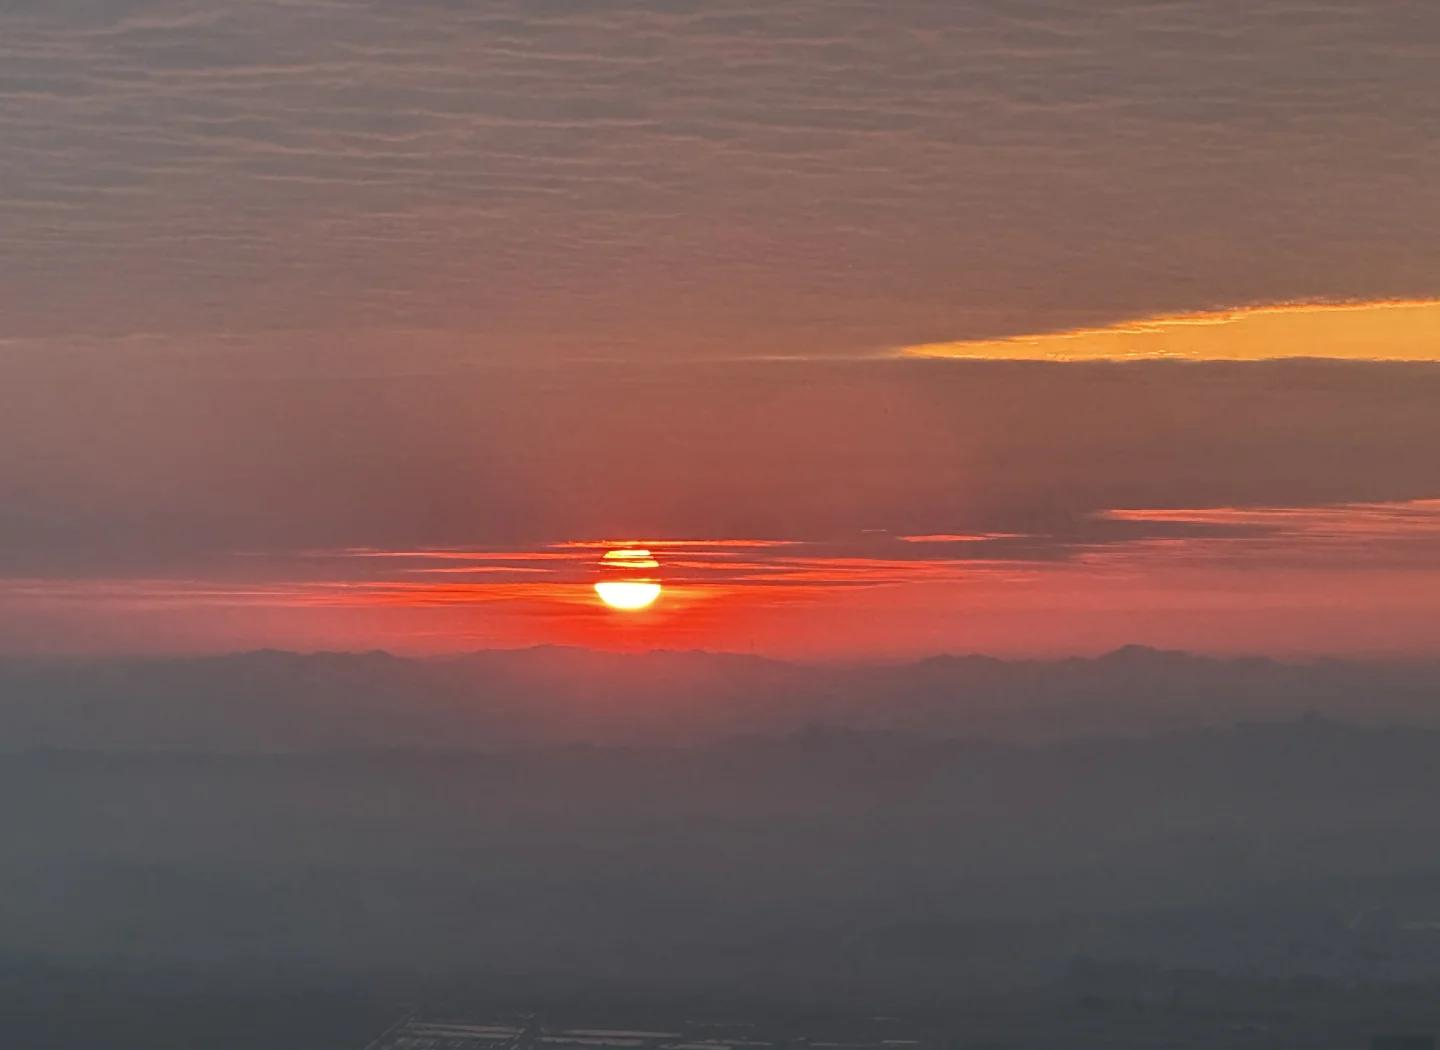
1239 884
1129 1007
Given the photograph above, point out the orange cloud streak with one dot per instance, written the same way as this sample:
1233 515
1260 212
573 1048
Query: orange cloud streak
1231 577
1402 330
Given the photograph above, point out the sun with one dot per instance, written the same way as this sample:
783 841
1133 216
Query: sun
628 595
628 580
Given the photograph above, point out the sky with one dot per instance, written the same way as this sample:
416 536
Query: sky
888 328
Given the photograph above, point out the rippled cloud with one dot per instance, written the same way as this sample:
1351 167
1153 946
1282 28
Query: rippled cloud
656 178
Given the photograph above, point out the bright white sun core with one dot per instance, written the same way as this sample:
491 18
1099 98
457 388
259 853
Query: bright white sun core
628 580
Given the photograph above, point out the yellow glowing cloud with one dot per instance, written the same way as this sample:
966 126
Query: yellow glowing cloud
632 558
1388 331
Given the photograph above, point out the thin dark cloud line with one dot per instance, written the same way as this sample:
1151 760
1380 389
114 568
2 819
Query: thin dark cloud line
1347 537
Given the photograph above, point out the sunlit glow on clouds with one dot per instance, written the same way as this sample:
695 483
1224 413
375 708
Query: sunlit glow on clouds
1388 331
1346 538
630 558
875 594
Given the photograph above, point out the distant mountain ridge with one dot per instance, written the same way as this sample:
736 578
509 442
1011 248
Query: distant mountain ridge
272 701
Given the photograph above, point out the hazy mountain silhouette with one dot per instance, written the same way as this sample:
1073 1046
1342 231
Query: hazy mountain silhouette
287 702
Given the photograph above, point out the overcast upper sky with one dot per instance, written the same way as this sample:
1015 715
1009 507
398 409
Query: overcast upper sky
541 179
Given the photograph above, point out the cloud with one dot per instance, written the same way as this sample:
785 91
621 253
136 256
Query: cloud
1335 579
1394 331
653 179
1345 537
113 469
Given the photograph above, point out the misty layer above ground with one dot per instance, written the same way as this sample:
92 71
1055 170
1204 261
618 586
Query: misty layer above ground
819 863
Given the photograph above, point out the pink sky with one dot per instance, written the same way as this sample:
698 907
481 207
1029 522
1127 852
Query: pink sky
1349 579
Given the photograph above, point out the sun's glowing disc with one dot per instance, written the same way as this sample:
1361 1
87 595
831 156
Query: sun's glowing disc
628 595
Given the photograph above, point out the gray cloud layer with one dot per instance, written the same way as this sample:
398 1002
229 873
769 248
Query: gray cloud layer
107 469
657 177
